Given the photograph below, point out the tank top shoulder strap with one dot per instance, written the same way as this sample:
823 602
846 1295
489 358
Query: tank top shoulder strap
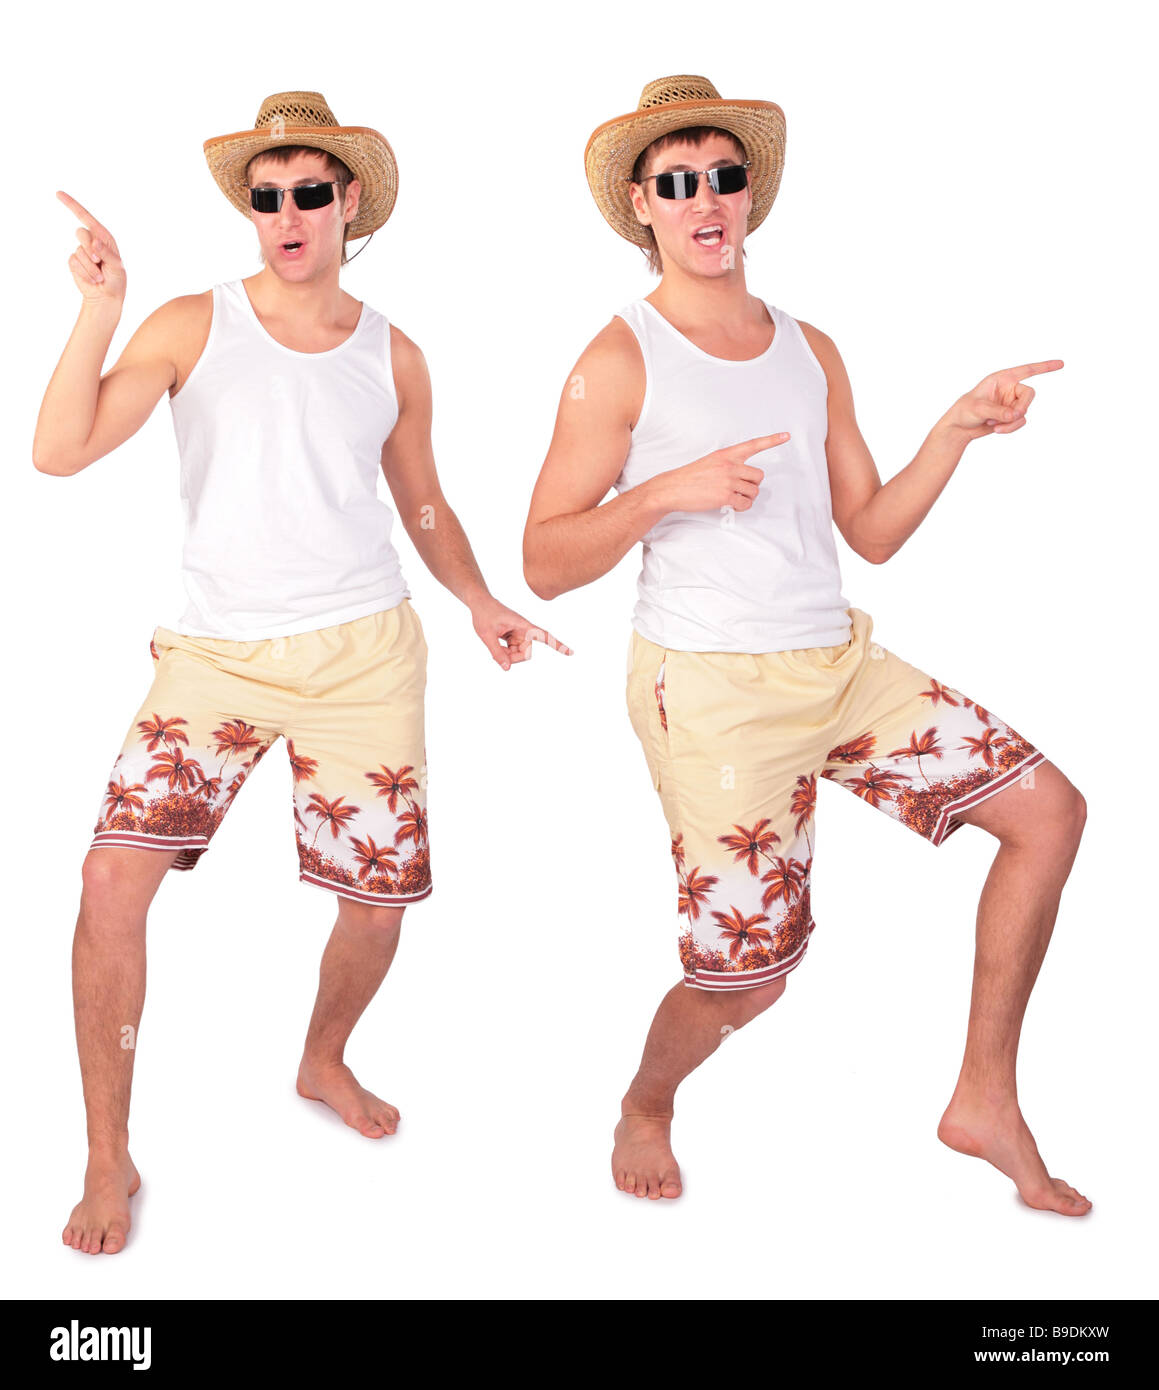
233 312
795 335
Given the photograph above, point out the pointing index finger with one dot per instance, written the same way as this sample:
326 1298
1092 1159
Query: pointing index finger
94 224
541 635
1031 369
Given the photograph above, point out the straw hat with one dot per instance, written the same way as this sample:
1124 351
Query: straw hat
305 118
671 103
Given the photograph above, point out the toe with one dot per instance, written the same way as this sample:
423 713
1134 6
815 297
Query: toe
629 1183
114 1240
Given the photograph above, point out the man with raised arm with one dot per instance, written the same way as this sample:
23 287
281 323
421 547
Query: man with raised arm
289 397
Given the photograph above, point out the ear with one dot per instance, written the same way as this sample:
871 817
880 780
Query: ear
353 189
640 204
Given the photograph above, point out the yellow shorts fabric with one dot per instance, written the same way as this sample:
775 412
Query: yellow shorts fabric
349 701
735 744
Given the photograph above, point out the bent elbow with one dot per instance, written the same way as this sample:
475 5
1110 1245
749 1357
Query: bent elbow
47 463
539 584
535 575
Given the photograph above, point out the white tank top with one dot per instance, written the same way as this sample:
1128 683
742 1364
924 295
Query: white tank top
280 460
762 580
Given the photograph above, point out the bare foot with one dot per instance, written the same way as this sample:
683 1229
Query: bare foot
642 1160
998 1133
334 1084
99 1224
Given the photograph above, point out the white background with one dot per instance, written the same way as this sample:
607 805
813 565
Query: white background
965 190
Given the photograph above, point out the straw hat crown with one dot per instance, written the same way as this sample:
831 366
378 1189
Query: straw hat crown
673 103
305 118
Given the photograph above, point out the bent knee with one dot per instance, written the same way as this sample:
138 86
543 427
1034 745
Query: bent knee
756 1000
1071 811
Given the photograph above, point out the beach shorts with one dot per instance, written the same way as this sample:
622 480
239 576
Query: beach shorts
348 700
736 743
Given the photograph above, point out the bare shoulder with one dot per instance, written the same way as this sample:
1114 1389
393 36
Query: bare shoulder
610 373
174 334
187 315
405 352
824 348
409 368
614 346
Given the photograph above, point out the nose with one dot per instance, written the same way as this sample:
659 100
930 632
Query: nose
289 215
704 199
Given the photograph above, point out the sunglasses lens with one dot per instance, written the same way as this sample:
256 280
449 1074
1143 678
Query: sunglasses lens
681 185
730 179
265 199
314 195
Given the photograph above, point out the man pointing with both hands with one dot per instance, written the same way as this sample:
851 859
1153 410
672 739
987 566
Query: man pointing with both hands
727 428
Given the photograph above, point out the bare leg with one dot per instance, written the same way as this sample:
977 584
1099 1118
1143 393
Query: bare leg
1039 828
354 964
689 1026
108 981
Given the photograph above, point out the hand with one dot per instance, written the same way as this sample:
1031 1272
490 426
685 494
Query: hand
497 624
96 263
998 404
723 478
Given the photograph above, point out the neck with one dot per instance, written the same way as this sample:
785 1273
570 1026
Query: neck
314 300
721 299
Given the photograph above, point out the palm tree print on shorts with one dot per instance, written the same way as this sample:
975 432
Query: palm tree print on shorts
753 915
985 749
396 864
182 798
760 919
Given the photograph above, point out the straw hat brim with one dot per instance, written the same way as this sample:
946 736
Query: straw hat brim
614 147
365 152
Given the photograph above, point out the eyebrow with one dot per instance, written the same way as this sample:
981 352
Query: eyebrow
687 168
308 178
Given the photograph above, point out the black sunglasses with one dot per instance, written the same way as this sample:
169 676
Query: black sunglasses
729 178
306 196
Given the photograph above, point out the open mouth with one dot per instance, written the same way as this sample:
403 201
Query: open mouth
709 236
291 248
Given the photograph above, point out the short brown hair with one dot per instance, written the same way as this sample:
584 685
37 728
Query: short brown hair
283 154
694 135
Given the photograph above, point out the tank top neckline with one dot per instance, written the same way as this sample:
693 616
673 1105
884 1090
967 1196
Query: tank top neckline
294 352
778 334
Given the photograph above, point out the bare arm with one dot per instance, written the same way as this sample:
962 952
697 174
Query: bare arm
877 519
83 415
571 538
408 463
